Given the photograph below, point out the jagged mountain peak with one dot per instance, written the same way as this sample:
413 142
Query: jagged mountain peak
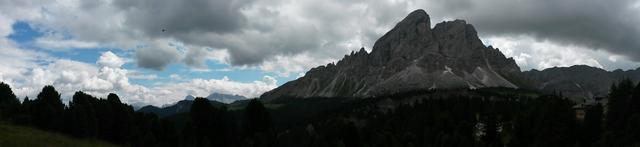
189 97
410 56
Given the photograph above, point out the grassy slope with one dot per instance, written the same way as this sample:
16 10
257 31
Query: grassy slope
13 135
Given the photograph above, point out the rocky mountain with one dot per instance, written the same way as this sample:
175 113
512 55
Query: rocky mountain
410 56
578 81
183 106
189 97
225 98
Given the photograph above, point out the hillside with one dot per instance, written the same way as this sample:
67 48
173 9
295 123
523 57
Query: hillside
14 135
580 82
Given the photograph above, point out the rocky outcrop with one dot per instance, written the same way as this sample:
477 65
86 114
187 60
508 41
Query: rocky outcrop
411 56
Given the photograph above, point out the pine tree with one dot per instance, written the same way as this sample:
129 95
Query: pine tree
9 104
48 109
201 117
82 115
618 110
25 112
556 122
257 118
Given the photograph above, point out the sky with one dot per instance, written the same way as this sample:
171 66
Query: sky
159 51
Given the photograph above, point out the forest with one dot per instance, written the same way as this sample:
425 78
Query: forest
434 118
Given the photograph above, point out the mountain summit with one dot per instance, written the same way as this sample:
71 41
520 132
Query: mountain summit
411 56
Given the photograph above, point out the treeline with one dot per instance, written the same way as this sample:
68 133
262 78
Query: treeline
622 127
494 117
485 118
452 121
111 120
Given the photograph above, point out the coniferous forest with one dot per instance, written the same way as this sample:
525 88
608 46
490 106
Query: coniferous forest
440 118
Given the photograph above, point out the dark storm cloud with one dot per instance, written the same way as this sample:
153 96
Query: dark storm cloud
156 57
171 18
596 24
195 57
183 16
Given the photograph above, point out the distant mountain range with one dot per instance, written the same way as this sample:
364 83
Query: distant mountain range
414 56
216 99
182 106
578 82
223 98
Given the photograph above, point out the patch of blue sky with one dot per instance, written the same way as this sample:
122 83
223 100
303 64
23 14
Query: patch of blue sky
24 34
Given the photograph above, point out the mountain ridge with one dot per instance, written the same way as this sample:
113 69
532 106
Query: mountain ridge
577 81
410 56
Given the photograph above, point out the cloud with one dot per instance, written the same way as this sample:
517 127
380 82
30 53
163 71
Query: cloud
195 57
58 43
141 76
175 77
69 76
204 87
183 17
285 65
531 53
249 32
258 33
589 24
110 59
157 55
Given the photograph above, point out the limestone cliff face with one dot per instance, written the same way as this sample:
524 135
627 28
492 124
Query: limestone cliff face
411 56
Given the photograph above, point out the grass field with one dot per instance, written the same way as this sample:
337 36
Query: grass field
18 136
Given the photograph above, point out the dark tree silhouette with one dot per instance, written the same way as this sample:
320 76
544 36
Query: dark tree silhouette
9 104
491 136
257 124
82 116
618 111
592 126
188 134
48 109
201 118
257 118
415 118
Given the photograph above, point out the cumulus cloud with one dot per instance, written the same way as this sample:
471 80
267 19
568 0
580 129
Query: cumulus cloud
204 87
285 65
530 53
183 17
249 32
110 59
157 55
195 57
69 76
